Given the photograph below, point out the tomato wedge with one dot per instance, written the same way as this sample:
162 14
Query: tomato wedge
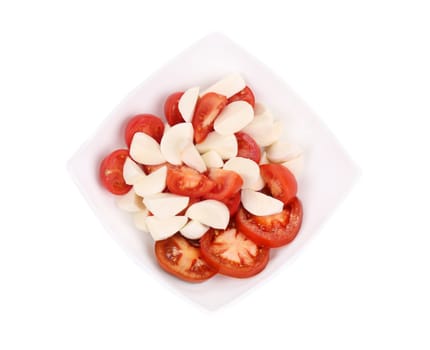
233 203
272 230
183 260
207 109
281 182
185 181
233 253
147 123
111 169
227 183
244 95
171 110
247 147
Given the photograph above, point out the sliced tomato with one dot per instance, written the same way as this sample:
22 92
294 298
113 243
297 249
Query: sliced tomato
244 95
281 182
233 203
207 109
151 168
111 172
272 230
247 147
147 123
233 253
185 181
171 110
181 259
227 183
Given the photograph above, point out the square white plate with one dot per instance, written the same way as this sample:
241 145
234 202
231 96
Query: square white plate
328 175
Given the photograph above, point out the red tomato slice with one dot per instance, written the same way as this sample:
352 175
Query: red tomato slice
111 169
207 109
227 183
185 181
232 253
171 110
281 182
272 230
151 168
233 203
244 95
147 123
247 147
181 259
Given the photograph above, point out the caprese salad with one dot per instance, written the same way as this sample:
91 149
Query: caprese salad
215 186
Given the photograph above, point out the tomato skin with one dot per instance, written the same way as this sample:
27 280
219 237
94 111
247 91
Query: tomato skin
233 203
111 169
227 183
147 123
272 230
281 182
208 107
171 110
244 95
186 181
247 147
180 258
215 242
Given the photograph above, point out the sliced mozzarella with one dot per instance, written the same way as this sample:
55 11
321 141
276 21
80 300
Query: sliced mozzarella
259 184
139 220
132 172
248 170
145 150
259 204
224 145
296 166
263 159
194 229
130 202
175 140
191 157
164 205
187 103
259 128
210 213
164 228
212 159
152 183
234 117
262 112
282 151
228 86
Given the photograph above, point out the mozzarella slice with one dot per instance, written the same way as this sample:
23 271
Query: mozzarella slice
194 229
139 220
259 204
261 111
210 213
263 159
224 145
130 202
228 86
165 205
145 150
296 166
132 172
164 228
191 157
282 151
212 159
259 184
152 183
187 103
175 140
248 170
234 117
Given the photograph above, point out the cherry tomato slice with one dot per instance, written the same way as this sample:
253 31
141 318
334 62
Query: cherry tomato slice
227 183
185 181
232 253
148 169
180 258
281 182
171 110
111 169
147 123
207 109
244 95
233 203
272 230
247 147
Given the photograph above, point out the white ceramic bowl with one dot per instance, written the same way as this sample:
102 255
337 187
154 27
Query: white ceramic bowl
328 175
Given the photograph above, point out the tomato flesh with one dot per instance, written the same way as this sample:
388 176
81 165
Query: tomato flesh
111 172
171 109
247 147
186 181
227 183
147 123
281 182
244 95
232 203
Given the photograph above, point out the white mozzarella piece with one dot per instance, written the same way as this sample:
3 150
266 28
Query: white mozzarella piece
175 140
209 212
130 202
224 145
165 205
282 151
262 112
164 228
296 166
228 86
234 117
259 204
259 184
194 229
191 157
187 103
139 220
212 159
145 150
132 172
152 183
263 159
248 170
259 129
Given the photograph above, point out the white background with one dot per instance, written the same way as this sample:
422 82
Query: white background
363 282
